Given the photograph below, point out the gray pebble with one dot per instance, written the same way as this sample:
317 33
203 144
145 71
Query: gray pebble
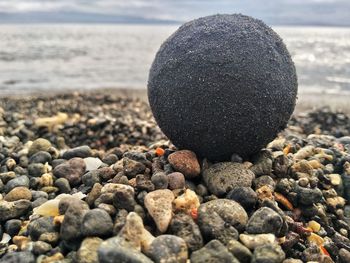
264 220
81 151
13 226
40 157
18 181
63 185
36 169
245 196
214 251
91 177
97 222
160 180
271 253
40 226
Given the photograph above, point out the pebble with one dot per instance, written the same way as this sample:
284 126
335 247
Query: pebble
63 185
97 222
221 219
254 241
214 251
18 181
168 249
176 181
16 209
18 193
87 252
71 170
185 162
245 196
126 246
187 202
39 145
12 227
132 168
90 178
308 196
223 177
262 164
18 257
7 176
72 222
264 220
344 255
160 180
242 253
92 163
41 157
271 253
81 152
159 205
264 180
41 248
41 225
182 225
124 198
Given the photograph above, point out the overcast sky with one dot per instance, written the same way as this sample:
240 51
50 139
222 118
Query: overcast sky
272 11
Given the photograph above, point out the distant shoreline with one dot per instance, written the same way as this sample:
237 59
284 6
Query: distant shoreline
305 102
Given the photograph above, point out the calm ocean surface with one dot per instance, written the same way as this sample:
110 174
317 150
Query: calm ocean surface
62 57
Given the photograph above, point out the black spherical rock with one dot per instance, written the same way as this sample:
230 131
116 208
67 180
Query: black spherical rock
222 84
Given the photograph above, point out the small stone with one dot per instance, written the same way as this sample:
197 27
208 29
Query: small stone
5 177
18 181
314 226
40 157
335 179
245 196
110 159
142 183
87 252
240 252
292 260
40 226
185 162
18 193
159 205
344 255
18 257
11 210
176 180
90 178
39 145
160 180
264 193
126 246
12 227
262 164
254 241
264 180
182 225
92 163
97 222
168 249
124 198
314 238
214 251
94 194
132 167
71 170
40 247
81 152
73 219
223 177
308 196
264 220
187 202
63 185
271 253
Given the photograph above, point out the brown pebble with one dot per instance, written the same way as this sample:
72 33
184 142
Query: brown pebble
186 162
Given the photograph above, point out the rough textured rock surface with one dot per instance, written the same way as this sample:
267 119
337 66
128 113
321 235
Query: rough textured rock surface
224 80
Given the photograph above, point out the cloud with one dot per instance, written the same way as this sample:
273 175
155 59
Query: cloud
272 11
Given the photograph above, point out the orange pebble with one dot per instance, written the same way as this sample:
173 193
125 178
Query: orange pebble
324 251
287 149
283 200
194 213
160 151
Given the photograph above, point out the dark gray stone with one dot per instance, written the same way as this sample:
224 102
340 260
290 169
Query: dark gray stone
18 257
226 80
160 180
40 157
97 222
214 251
241 252
245 196
13 226
40 226
81 151
168 249
36 169
16 209
63 185
91 177
308 196
268 254
18 181
264 220
182 225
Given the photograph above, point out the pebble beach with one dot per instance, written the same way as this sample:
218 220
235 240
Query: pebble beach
89 177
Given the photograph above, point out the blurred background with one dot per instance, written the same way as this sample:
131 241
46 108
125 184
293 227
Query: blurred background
64 45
